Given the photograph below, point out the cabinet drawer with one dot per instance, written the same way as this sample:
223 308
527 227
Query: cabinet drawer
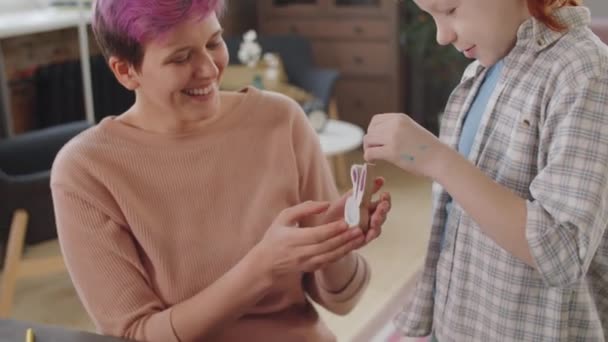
281 27
344 29
355 58
269 8
367 8
355 29
359 100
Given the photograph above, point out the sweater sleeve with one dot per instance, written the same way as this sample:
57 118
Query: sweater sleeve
317 183
103 262
343 300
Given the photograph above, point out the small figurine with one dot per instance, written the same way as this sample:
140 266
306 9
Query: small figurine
250 50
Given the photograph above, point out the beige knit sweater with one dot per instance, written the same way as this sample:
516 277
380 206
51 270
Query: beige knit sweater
147 220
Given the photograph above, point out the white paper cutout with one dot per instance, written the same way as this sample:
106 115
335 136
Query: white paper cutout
356 209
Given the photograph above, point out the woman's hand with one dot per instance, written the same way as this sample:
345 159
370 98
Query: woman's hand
287 248
399 140
378 211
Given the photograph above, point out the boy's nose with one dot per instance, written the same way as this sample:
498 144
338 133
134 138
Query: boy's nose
445 35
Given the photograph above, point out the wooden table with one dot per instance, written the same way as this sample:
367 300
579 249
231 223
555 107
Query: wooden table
11 330
239 76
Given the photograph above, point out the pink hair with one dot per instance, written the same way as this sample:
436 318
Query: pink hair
143 19
122 27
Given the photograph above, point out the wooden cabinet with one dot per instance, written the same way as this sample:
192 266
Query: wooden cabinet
290 7
360 38
239 17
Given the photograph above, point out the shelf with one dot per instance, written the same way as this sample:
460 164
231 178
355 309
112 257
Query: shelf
32 21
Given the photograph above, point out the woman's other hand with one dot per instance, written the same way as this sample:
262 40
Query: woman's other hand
378 211
287 248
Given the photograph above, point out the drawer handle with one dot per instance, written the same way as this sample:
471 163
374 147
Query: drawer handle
358 60
359 30
293 29
358 103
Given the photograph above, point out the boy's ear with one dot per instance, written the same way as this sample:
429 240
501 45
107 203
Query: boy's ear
124 72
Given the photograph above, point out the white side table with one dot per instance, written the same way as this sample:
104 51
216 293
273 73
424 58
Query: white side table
337 138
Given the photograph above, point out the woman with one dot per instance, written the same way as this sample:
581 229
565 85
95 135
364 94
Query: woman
199 214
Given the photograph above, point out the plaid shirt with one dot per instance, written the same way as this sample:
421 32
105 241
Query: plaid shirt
544 136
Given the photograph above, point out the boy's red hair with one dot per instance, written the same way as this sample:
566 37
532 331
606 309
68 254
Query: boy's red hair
542 10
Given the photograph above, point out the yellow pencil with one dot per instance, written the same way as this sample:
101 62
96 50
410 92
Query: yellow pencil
29 335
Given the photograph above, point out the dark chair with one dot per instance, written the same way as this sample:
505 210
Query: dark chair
296 55
26 207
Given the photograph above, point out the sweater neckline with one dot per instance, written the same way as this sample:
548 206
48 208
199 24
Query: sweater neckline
139 136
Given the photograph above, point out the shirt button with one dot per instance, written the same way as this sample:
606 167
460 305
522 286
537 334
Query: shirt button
540 42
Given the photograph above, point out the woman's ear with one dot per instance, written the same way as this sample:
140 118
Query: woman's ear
124 72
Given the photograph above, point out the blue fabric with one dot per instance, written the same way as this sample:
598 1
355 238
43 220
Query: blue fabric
473 118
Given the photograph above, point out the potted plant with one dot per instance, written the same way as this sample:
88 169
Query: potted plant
432 70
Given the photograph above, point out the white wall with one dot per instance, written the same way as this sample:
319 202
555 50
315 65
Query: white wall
598 7
20 5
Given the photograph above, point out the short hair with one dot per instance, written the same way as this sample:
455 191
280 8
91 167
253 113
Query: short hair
543 10
122 27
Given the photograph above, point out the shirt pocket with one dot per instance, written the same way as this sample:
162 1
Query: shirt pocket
514 148
520 163
523 133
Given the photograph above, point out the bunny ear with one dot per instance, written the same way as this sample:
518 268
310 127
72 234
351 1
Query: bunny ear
360 187
362 180
354 175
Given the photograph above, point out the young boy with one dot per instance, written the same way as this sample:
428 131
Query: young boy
518 249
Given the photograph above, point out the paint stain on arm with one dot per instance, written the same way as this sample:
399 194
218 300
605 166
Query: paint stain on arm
408 157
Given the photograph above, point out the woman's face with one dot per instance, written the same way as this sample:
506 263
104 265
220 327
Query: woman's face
180 73
485 30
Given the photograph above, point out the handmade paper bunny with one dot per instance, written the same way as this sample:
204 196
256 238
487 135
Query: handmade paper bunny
356 209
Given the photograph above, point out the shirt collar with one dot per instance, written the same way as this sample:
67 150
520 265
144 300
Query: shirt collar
538 36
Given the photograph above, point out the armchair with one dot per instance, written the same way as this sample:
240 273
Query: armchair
26 205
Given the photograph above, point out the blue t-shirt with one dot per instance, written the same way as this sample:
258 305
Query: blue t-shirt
473 118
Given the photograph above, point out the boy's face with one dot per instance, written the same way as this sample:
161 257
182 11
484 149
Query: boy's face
485 30
181 72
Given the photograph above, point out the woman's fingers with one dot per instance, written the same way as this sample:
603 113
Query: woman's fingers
331 244
319 234
372 234
292 215
321 260
379 216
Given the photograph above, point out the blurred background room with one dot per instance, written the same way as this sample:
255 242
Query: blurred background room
342 60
